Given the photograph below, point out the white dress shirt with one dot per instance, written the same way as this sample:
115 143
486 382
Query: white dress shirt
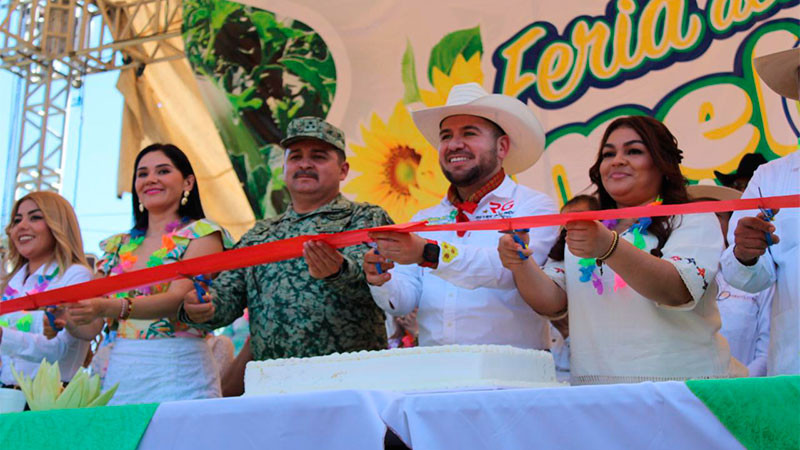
26 349
778 266
470 298
620 336
745 324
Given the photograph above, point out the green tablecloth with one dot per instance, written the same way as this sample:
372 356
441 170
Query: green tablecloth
107 427
762 413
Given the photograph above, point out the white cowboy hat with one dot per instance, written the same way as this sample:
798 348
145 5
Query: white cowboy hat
779 71
707 189
525 133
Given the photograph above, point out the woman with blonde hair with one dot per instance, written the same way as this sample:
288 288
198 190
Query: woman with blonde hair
45 251
157 358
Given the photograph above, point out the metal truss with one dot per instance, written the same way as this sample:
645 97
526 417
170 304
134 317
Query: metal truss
89 36
52 45
40 153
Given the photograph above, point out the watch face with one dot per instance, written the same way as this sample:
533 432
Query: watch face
431 253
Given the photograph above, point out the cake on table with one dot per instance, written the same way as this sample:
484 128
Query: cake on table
405 369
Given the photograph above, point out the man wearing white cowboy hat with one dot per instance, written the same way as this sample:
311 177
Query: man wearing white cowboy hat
758 257
456 279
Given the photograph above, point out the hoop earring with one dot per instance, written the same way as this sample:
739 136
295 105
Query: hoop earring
141 207
185 198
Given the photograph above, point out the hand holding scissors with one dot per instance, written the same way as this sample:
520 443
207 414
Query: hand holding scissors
198 282
518 240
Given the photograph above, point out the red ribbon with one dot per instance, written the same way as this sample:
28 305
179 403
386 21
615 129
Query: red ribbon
293 248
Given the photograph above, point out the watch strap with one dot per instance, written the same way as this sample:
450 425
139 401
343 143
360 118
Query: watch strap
430 254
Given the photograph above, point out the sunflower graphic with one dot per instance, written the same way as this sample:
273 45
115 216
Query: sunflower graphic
399 168
463 71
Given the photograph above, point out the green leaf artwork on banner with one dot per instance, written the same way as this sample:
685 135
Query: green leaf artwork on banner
257 72
463 42
409 75
245 100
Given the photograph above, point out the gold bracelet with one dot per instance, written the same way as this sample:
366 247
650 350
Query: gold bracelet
611 249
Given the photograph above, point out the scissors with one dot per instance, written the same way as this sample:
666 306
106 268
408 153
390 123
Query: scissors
769 216
374 246
198 287
518 240
51 318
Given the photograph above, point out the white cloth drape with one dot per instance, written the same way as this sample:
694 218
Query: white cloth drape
646 415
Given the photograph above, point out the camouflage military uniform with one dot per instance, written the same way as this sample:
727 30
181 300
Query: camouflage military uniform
291 313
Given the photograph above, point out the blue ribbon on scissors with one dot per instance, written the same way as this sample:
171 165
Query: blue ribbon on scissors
199 287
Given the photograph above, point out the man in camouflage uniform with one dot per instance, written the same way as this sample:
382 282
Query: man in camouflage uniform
310 306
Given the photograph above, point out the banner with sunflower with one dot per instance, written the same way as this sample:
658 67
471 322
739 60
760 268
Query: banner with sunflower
364 65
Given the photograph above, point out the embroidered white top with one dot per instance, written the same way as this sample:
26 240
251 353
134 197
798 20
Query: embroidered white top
619 336
470 298
779 265
26 349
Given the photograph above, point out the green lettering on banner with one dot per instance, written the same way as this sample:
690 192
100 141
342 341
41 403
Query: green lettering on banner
740 131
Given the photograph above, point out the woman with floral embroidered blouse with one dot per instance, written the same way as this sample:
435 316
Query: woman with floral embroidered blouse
157 358
640 294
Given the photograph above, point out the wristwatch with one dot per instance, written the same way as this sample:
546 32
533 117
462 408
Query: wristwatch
430 254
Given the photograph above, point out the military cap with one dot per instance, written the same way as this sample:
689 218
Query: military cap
313 128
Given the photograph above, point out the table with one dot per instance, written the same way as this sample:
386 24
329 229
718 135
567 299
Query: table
762 413
640 416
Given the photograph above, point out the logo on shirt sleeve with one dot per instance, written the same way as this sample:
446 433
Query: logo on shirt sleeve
449 252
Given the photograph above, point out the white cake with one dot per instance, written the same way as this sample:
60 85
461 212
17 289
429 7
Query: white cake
408 369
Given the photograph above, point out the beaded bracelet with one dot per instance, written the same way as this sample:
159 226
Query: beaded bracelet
127 307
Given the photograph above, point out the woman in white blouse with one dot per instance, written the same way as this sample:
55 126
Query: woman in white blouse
45 251
640 294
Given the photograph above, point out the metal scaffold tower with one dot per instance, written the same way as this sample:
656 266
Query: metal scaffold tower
52 45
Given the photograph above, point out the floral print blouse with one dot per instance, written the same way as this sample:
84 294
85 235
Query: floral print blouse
118 257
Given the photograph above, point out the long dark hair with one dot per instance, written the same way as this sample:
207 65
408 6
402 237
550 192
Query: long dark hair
192 210
666 155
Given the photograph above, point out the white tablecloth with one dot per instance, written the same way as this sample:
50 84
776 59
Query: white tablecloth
641 416
319 420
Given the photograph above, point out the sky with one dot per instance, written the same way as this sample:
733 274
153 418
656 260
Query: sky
90 174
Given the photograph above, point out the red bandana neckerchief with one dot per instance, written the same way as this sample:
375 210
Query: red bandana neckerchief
471 204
